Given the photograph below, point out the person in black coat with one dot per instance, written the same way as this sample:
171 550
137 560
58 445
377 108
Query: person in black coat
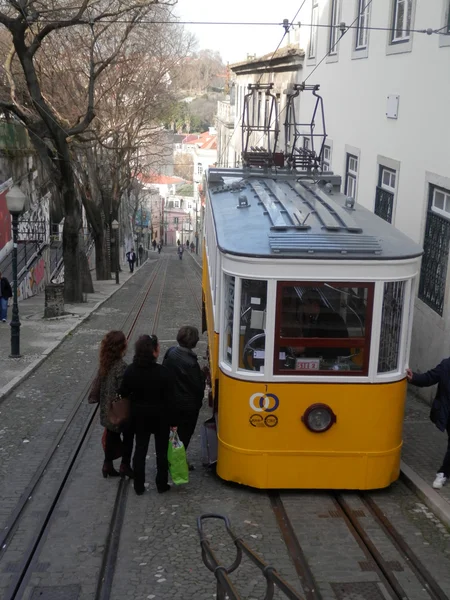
440 409
188 380
149 388
5 295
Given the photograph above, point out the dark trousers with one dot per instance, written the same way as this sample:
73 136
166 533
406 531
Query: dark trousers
445 468
143 428
186 425
113 440
131 263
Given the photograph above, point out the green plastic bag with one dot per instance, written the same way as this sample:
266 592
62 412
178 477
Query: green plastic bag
176 456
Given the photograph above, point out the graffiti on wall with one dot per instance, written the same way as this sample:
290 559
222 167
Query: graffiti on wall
34 281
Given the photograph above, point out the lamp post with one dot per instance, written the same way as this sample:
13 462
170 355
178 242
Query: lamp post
115 227
15 201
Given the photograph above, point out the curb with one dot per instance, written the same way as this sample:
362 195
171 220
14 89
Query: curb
432 499
199 264
9 387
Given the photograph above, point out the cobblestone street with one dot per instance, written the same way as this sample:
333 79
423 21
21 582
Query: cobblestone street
159 554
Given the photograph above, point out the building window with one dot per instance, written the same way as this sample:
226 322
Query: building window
334 29
385 193
229 319
391 326
351 175
401 25
175 220
200 169
433 273
253 325
323 328
362 32
326 158
314 29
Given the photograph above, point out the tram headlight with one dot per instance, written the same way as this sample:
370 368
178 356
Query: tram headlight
319 418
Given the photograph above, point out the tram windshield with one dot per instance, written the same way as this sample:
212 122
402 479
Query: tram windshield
322 327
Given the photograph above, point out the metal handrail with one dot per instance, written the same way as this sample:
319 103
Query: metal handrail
225 588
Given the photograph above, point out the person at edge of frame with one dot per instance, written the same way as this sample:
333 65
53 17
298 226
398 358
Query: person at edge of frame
141 254
131 258
148 386
440 409
5 295
154 245
189 382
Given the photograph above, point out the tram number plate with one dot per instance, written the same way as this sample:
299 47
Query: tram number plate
311 364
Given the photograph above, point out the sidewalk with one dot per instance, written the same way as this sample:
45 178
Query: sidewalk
39 337
424 445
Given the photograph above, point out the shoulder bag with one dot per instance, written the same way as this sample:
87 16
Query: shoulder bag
119 411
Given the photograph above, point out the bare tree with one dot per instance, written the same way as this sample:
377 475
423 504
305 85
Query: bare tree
37 32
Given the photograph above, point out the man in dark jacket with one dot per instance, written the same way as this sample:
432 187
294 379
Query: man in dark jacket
440 409
5 295
188 381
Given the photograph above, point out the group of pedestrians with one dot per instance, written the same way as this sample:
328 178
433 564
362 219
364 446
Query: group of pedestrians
162 398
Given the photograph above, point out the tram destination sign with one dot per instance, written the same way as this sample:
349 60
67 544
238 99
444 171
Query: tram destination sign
307 364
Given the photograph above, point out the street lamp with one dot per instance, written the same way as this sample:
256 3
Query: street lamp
115 227
15 201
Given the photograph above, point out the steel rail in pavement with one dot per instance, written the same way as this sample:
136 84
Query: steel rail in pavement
20 580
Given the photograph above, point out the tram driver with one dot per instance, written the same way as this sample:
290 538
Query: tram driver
316 320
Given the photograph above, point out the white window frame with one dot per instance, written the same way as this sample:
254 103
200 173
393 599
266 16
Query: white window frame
314 30
199 169
351 174
326 162
405 33
335 16
392 173
439 211
363 23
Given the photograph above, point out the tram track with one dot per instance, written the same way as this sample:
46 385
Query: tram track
33 492
106 576
385 569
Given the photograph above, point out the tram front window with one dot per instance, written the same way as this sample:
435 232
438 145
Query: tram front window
323 327
252 340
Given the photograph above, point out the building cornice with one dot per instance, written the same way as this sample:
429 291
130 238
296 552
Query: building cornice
289 58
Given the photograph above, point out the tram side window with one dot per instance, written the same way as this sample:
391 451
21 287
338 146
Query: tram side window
252 339
391 326
229 318
323 327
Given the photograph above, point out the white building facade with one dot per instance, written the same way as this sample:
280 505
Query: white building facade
386 88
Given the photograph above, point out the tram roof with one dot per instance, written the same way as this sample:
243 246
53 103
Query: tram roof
289 215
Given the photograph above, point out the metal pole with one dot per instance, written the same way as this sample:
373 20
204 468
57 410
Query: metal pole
117 254
15 323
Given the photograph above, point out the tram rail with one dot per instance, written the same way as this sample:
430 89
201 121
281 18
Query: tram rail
31 492
106 576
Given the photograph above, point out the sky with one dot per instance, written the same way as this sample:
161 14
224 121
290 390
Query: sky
235 42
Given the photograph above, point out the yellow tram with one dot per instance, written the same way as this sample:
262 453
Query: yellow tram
308 302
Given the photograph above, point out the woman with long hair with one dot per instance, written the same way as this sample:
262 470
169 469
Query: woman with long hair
148 387
110 374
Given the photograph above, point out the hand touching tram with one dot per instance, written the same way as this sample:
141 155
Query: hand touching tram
409 374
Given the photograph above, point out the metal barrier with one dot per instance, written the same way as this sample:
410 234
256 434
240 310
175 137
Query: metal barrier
225 587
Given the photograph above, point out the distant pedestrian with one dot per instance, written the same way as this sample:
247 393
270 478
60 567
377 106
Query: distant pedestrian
131 258
149 388
141 254
192 247
189 381
105 389
5 295
187 244
180 252
154 245
159 247
440 409
178 242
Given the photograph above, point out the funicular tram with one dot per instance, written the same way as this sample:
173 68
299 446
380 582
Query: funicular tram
308 303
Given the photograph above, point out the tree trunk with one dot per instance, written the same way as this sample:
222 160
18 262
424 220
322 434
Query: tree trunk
102 267
72 274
